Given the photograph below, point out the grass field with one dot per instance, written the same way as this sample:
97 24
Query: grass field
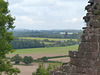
55 39
50 50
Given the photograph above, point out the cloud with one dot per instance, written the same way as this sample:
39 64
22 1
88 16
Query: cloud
38 3
73 20
24 20
47 14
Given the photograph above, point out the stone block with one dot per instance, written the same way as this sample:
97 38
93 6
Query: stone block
88 47
98 38
91 55
71 54
73 68
87 8
98 71
94 23
79 54
59 73
85 38
76 54
65 68
90 71
84 47
89 38
51 72
94 47
76 61
92 38
79 69
86 18
72 73
96 31
86 63
76 74
94 55
97 64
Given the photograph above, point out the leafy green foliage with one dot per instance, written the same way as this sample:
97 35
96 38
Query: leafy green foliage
18 43
6 68
27 59
42 70
6 23
43 59
26 43
16 59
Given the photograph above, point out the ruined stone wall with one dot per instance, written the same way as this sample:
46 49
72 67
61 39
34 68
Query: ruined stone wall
85 61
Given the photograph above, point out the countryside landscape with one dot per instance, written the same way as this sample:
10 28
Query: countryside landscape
53 51
36 36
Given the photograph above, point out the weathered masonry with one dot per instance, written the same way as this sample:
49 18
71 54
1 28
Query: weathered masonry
85 61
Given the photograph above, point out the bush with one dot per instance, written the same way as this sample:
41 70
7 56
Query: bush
16 59
42 70
27 60
43 59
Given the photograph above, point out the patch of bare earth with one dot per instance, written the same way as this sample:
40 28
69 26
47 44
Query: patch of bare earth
27 70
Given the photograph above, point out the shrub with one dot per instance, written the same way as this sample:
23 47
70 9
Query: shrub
16 59
43 59
42 70
27 59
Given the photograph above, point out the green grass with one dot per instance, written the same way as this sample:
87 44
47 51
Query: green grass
50 42
50 50
55 39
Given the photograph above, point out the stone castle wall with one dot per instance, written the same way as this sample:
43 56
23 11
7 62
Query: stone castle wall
85 61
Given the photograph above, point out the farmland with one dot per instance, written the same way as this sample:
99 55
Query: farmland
54 39
40 52
48 50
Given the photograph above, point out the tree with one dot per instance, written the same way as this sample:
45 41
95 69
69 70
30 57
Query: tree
42 70
16 59
42 44
43 59
66 35
27 60
6 23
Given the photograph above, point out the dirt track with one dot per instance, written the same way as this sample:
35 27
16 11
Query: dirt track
35 56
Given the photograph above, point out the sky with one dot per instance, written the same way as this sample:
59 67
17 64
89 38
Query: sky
48 14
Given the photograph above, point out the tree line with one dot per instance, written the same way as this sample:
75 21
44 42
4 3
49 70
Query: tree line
47 34
29 43
25 43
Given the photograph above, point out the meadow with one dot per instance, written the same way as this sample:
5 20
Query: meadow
47 50
55 39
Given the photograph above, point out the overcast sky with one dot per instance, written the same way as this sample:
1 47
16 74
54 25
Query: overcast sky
48 14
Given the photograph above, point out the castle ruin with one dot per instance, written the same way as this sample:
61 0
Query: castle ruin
85 61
